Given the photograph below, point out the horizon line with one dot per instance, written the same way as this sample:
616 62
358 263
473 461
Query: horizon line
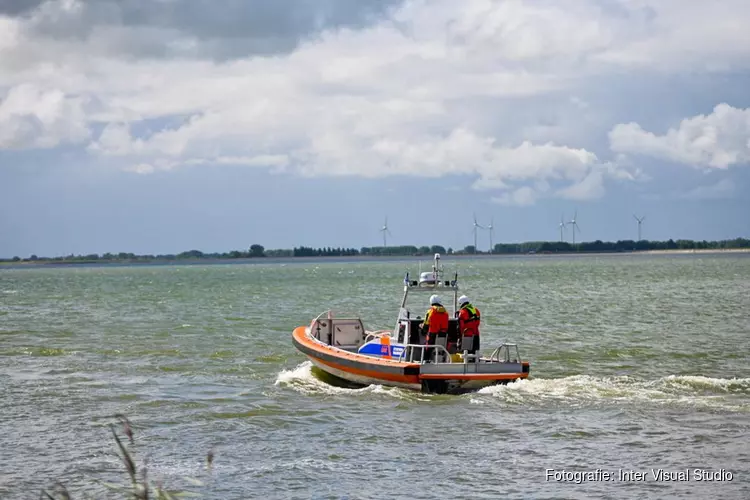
257 250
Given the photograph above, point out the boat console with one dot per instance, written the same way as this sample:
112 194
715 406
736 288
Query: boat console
412 334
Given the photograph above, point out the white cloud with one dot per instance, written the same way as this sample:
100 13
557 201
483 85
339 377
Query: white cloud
278 161
141 168
8 33
521 197
683 35
31 117
590 187
442 88
722 189
115 139
483 184
580 103
717 140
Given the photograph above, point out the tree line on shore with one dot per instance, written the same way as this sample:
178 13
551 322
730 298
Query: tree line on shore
258 251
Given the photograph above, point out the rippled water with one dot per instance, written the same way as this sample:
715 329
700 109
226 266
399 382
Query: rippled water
637 362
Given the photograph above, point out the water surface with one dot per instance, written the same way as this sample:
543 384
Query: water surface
637 362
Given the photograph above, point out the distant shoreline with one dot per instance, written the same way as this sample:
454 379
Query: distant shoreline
260 260
696 250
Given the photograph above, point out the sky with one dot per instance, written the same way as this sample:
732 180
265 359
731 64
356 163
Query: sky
165 126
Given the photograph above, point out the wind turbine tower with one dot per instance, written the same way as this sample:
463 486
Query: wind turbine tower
385 230
490 228
640 221
575 226
562 227
476 226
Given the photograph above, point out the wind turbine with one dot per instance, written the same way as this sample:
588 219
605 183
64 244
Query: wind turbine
385 230
562 227
575 226
476 226
490 228
640 221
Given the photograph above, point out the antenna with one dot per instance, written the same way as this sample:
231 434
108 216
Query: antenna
562 227
575 226
436 269
491 227
385 230
640 221
476 226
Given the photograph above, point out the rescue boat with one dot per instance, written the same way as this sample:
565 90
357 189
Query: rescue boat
344 349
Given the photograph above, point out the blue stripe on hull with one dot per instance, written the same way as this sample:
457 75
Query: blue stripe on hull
381 350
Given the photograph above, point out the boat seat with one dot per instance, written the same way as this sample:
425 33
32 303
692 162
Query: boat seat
442 340
467 344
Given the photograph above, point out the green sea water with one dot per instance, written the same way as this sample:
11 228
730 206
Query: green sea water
638 362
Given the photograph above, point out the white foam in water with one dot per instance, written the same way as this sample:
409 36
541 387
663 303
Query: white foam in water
701 382
683 389
302 379
192 470
580 389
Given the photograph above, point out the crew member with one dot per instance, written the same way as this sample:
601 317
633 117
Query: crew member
468 324
435 323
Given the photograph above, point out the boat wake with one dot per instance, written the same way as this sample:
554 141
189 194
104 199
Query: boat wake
679 390
580 390
307 379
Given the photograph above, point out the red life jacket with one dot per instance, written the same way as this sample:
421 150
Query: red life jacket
437 319
468 320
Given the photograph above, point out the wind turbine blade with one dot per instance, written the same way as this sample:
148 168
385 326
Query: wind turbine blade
636 218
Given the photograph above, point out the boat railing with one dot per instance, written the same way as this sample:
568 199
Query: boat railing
410 352
336 329
336 314
503 354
